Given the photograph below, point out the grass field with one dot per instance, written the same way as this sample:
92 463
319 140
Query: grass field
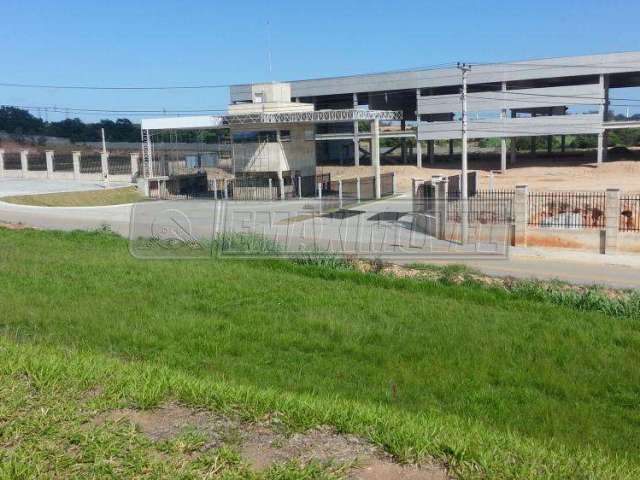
492 385
92 198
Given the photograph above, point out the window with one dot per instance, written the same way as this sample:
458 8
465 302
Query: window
285 135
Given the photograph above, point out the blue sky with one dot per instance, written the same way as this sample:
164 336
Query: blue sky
141 43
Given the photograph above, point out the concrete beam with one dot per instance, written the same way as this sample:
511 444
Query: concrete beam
419 153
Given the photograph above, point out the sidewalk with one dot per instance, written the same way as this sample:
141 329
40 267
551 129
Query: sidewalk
565 255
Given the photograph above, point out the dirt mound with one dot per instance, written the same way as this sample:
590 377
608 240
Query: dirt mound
262 444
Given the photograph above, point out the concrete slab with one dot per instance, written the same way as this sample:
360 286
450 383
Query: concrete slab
30 186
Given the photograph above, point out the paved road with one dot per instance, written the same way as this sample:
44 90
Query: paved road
578 272
616 271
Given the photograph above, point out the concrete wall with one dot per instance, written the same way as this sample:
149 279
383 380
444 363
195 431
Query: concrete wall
299 153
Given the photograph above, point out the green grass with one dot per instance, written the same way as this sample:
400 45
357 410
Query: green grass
486 381
92 198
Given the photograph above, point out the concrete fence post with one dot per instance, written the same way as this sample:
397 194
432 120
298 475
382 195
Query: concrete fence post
270 188
24 162
135 157
394 186
225 185
358 189
76 164
104 165
281 181
612 220
418 154
299 186
319 186
340 192
214 184
521 214
1 162
49 157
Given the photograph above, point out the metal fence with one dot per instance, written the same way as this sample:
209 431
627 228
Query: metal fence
119 165
90 164
63 163
567 209
630 213
12 161
37 162
484 207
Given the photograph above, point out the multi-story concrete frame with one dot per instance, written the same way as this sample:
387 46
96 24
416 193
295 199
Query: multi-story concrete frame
505 100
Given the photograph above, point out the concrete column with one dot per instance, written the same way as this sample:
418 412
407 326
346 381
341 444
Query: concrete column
503 140
340 193
612 219
225 185
356 135
431 151
603 140
270 189
49 158
375 153
403 150
604 115
1 162
450 149
319 187
76 164
24 162
514 150
549 144
394 183
358 189
281 183
134 164
104 164
563 143
521 212
299 186
418 153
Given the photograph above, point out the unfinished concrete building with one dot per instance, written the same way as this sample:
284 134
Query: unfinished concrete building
536 98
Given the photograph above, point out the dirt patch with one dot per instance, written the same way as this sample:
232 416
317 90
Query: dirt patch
540 173
264 443
13 226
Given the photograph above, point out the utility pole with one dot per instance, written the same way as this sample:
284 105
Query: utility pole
464 191
464 68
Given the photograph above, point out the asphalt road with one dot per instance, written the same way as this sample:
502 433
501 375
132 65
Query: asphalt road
615 271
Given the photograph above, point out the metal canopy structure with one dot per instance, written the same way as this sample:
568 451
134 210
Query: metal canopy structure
209 122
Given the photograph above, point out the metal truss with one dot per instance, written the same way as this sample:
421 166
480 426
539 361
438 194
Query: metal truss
316 116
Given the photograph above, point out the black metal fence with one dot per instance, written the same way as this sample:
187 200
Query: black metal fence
12 161
484 207
567 209
90 164
630 213
63 163
37 162
119 165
